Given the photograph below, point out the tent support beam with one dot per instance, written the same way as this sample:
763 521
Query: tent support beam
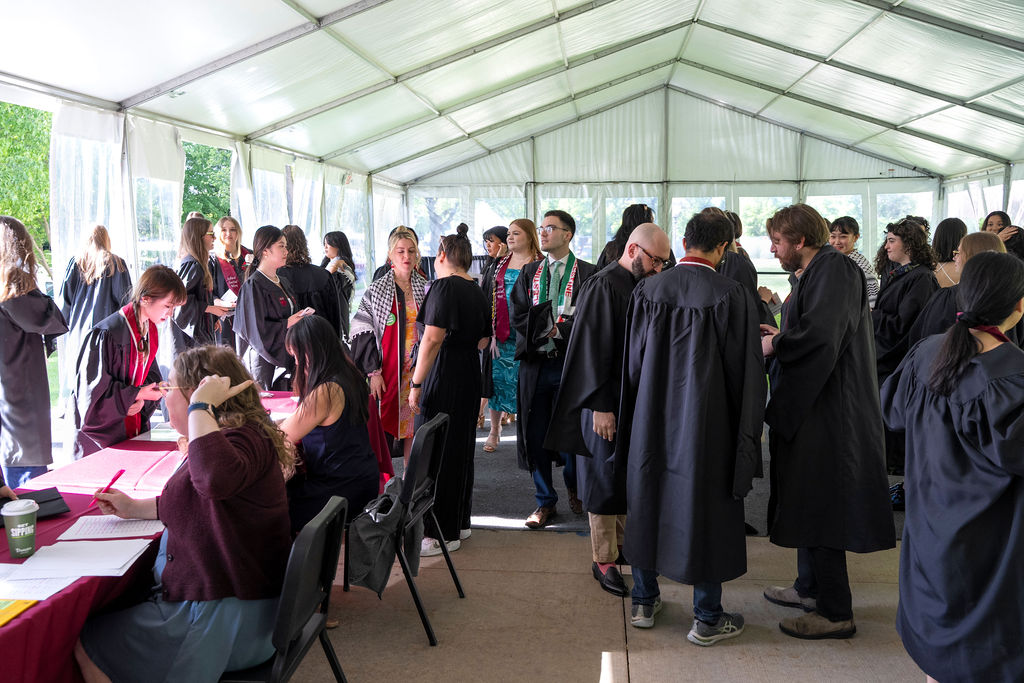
1007 116
573 63
948 24
1007 182
533 112
840 110
59 93
251 51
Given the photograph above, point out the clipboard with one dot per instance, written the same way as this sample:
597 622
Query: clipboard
51 503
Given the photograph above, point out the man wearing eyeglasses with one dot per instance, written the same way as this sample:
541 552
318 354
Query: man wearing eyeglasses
543 306
584 421
690 419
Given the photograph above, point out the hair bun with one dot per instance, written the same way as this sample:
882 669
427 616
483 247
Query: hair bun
462 229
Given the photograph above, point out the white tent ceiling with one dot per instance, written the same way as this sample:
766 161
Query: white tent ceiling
406 88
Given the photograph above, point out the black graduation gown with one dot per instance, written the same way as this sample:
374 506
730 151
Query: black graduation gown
191 325
690 422
84 306
939 314
226 336
828 482
963 538
529 354
261 322
592 381
738 266
315 288
104 391
28 324
900 300
346 287
453 387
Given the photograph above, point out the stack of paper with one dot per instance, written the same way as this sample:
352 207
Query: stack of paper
30 589
81 558
111 526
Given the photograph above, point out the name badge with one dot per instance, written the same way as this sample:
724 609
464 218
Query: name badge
391 320
283 301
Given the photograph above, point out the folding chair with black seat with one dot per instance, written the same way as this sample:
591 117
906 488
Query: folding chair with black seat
425 459
305 596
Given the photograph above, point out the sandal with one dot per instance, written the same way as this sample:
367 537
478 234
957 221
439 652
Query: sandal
491 444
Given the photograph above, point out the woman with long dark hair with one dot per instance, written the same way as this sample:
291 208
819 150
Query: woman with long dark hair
30 322
906 264
948 234
330 423
266 309
228 262
632 216
999 223
116 390
338 262
197 319
96 284
313 286
958 402
454 324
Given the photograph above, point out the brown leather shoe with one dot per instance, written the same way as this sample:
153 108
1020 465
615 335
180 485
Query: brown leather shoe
813 626
540 517
575 504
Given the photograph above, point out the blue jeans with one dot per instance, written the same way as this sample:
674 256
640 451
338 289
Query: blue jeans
707 595
16 476
541 407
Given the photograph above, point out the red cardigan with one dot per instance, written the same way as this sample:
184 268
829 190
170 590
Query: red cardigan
226 511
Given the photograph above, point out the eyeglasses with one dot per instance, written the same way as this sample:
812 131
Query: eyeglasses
956 252
549 228
209 234
657 261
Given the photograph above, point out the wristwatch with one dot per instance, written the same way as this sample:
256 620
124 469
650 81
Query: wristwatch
415 385
199 405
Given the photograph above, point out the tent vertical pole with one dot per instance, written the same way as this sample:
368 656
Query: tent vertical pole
664 210
801 190
128 201
1007 182
533 179
370 243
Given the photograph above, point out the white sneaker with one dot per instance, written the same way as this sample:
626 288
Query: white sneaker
431 547
465 533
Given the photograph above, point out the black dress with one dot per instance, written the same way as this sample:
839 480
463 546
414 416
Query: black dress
315 288
28 325
191 325
960 561
261 322
339 462
453 387
84 306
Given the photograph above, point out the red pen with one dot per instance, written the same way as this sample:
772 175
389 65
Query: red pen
106 488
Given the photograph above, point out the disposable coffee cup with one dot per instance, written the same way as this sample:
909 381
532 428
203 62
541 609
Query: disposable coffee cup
20 524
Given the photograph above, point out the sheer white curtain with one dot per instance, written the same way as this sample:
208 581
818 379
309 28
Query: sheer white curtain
388 212
242 202
156 160
307 200
270 185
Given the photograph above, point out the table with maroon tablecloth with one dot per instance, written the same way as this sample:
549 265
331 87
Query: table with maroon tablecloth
38 644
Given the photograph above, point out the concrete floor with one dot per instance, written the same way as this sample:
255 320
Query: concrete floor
533 612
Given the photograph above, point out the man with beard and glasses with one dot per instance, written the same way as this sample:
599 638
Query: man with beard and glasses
690 419
584 418
829 490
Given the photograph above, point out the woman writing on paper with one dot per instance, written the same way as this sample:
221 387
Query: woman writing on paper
116 388
222 558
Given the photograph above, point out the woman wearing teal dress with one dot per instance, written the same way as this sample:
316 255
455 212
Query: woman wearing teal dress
500 369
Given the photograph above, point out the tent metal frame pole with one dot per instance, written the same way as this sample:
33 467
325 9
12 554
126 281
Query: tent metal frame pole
1007 183
663 209
872 75
370 228
948 24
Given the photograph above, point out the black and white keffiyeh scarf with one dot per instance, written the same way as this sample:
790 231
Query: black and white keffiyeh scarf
376 304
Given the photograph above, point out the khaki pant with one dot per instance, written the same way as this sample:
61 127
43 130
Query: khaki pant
606 535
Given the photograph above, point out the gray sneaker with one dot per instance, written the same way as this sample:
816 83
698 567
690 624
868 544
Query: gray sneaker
642 616
727 626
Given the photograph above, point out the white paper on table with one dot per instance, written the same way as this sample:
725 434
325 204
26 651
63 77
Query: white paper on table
110 526
161 432
81 558
33 589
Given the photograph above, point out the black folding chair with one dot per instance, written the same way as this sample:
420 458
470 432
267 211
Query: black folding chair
302 610
418 497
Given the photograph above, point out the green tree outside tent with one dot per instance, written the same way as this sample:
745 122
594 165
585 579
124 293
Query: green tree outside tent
25 169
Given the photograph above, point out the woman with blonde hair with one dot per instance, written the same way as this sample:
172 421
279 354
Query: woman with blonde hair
222 557
500 369
384 334
96 284
29 323
193 324
228 262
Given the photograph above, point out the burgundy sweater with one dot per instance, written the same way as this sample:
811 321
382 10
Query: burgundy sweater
226 511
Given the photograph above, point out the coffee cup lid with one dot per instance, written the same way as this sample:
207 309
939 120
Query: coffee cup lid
19 507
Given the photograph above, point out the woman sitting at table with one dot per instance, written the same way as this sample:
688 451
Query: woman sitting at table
115 389
223 554
330 423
